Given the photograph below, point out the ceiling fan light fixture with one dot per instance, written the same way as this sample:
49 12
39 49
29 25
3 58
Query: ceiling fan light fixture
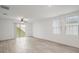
22 19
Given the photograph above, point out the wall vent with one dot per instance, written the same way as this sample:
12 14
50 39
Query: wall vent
4 7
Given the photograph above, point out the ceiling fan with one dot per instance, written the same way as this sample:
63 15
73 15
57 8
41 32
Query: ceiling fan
23 20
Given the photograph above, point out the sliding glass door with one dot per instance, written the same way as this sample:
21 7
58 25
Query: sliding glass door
20 30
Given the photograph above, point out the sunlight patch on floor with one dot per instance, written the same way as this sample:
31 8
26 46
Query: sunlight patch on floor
21 43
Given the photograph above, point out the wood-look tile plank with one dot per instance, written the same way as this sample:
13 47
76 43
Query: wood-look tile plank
34 45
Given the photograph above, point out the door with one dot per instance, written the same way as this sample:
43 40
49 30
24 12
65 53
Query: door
20 30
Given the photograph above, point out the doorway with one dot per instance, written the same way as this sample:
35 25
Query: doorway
20 30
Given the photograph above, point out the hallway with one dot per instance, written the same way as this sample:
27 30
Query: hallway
34 45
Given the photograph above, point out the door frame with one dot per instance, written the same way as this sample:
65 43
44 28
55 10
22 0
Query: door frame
15 35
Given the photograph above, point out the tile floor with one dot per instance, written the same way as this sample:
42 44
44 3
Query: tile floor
34 45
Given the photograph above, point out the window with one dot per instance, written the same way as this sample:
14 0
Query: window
56 26
72 25
72 29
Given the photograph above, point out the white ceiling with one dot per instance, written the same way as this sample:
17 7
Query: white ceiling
36 12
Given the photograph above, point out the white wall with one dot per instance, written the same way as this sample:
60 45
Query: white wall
29 29
6 29
43 29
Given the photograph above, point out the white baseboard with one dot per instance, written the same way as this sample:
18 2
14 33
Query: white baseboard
8 38
56 42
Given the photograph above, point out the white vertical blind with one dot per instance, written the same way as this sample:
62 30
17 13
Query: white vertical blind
72 25
72 29
56 26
